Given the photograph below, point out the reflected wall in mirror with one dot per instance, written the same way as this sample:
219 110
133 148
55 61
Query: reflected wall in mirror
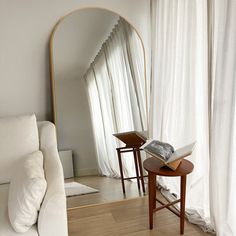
99 88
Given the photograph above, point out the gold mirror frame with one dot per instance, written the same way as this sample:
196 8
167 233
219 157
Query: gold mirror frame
51 62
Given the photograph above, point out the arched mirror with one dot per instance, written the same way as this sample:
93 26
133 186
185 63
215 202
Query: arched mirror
99 88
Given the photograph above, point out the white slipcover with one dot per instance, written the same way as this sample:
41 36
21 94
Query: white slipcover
52 218
53 215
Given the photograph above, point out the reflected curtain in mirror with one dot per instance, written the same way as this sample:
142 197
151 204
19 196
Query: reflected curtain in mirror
116 91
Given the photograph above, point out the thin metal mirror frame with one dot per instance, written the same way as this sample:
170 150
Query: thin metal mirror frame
51 62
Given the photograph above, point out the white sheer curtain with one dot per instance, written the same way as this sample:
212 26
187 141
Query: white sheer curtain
108 166
179 97
223 128
193 98
116 89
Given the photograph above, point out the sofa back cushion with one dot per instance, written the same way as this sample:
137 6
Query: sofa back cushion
18 137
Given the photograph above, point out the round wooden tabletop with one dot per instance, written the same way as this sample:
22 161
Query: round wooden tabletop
155 166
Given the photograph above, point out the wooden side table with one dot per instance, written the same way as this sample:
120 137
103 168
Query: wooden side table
155 167
138 165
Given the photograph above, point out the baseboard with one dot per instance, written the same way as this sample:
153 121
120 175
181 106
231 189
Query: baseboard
86 172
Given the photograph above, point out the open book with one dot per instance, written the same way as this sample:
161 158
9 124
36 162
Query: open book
166 153
132 138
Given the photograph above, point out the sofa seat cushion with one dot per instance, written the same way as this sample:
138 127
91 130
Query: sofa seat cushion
18 137
5 226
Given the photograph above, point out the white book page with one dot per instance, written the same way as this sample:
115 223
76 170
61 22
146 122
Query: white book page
182 152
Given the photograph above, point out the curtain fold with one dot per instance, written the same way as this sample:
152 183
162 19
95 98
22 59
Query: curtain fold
99 126
223 122
116 89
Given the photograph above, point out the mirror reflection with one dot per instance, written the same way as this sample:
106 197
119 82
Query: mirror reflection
98 73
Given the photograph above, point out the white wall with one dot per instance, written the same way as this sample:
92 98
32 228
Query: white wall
24 63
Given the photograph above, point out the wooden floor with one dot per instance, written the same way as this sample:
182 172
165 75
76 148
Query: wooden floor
109 191
127 217
114 214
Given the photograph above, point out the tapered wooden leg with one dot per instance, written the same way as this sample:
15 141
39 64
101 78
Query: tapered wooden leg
182 203
151 196
136 167
121 170
140 169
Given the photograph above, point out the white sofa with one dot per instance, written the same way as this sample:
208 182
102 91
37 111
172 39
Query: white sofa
52 218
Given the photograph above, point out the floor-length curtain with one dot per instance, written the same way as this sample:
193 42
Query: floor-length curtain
118 104
179 93
194 98
223 125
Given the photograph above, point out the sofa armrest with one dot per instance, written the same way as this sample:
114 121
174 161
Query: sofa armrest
52 218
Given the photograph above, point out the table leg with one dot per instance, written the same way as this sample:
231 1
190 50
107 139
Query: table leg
151 196
121 170
182 203
136 167
140 169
